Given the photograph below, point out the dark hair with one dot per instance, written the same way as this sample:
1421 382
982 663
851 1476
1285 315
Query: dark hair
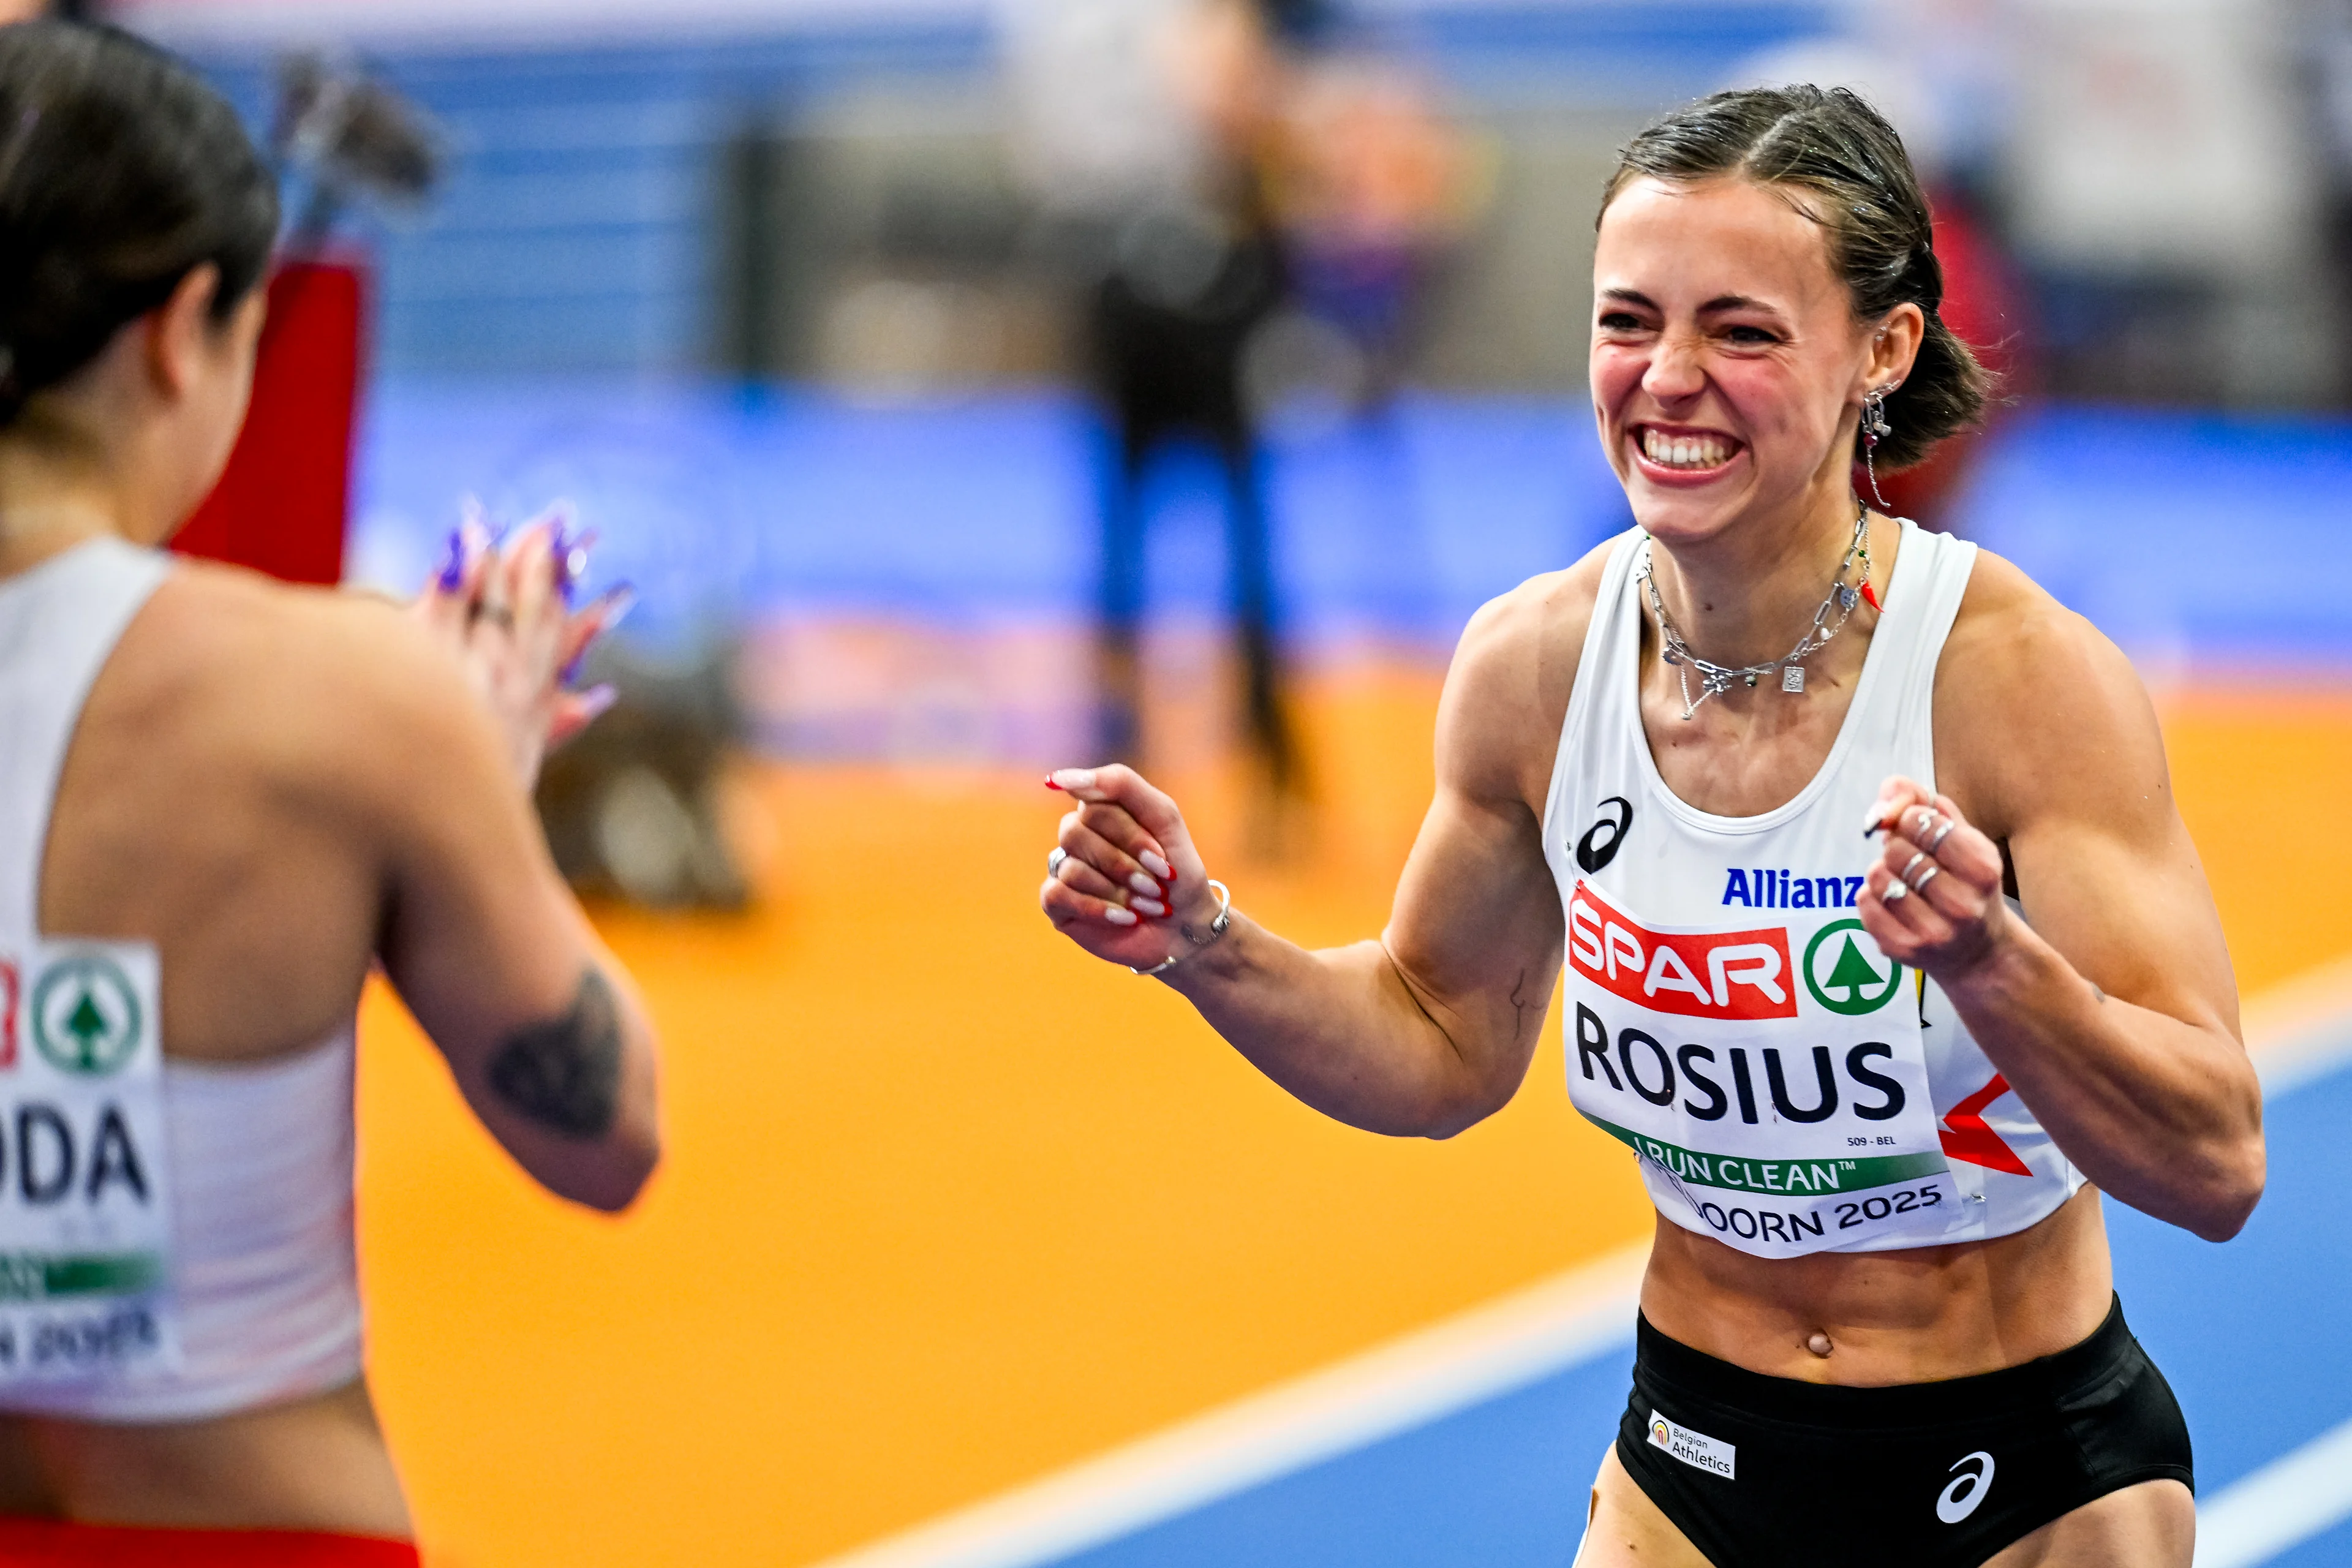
121 171
1845 156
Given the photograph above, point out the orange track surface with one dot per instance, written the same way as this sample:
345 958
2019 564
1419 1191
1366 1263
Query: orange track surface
947 1207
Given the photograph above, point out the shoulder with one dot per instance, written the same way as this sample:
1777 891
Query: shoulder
2036 709
311 687
1508 688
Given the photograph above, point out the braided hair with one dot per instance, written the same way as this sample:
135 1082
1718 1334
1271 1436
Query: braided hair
1857 182
121 173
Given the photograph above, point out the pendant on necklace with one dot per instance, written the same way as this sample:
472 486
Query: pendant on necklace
1751 678
1792 678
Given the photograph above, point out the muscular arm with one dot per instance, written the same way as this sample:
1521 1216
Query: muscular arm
488 949
1430 1029
2113 1013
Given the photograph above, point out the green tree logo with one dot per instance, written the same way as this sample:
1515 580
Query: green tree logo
86 1014
1842 977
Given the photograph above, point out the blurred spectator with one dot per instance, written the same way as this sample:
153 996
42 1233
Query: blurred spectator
1144 124
1370 186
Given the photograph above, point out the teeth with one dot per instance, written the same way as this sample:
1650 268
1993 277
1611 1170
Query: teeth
1685 451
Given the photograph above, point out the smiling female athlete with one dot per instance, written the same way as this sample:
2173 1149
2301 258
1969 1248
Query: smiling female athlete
1873 1099
221 801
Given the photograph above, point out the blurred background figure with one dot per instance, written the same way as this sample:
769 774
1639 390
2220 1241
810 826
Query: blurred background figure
1246 197
1149 125
1372 187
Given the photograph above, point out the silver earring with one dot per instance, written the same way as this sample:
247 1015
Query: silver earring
1874 426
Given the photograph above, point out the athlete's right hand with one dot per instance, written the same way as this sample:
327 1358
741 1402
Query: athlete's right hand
503 610
1131 888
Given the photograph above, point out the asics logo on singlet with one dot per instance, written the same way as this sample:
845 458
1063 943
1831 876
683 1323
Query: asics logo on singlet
1711 974
1964 1490
1598 845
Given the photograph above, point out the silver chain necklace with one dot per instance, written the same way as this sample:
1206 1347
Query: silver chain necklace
1715 679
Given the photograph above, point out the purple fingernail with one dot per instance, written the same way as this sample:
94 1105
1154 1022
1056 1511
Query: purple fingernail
620 599
598 698
453 564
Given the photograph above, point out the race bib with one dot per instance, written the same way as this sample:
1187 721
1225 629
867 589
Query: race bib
1771 1078
85 1205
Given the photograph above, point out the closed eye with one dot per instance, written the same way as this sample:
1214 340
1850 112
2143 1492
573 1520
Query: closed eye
1620 321
1751 337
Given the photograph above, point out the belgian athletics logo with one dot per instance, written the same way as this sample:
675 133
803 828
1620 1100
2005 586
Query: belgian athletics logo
1841 977
85 1014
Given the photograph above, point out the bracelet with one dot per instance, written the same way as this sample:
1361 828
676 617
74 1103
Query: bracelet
1216 930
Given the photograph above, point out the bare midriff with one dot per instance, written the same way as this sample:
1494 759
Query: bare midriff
318 1463
1917 1315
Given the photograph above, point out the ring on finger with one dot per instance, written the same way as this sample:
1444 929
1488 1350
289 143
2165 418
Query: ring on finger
1932 872
1912 865
1053 859
1942 833
1896 893
496 614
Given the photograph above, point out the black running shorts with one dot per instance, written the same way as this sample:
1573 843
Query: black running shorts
1767 1472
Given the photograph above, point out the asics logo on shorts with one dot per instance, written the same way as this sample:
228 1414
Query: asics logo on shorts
1964 1490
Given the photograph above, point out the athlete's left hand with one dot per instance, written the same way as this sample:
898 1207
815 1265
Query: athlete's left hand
1946 913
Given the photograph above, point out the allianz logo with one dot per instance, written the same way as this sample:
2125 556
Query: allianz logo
1774 888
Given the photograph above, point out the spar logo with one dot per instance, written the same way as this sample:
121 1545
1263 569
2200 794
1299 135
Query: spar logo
86 1015
1846 979
1742 975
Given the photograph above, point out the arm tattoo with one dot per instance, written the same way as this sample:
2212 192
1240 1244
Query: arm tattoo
565 1073
1518 1005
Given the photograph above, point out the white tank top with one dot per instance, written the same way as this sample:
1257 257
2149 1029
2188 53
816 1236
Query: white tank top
254 1297
1785 1087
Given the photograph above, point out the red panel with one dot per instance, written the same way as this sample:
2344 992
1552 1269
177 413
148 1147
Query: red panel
45 1543
283 503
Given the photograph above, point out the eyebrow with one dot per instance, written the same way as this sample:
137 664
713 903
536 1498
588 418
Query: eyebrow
1719 303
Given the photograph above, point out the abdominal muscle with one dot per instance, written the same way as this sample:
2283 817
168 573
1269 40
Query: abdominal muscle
316 1463
1914 1315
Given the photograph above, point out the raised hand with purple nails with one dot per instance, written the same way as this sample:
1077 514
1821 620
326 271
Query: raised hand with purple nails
505 608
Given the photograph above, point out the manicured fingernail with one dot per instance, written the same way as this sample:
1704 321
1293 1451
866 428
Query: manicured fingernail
1157 866
1151 907
1118 915
598 698
619 600
1876 820
1050 784
1073 778
1144 885
452 571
